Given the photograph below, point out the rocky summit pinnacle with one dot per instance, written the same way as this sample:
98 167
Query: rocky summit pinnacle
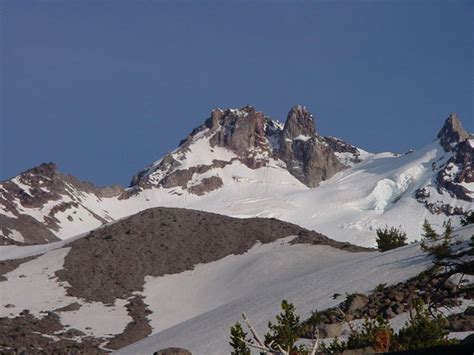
452 133
299 122
255 139
305 153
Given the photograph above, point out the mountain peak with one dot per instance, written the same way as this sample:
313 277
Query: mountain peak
299 122
452 132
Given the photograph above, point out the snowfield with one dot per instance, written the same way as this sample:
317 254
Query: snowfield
257 289
350 206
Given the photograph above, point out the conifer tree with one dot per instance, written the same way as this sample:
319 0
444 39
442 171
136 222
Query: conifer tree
468 218
237 335
422 330
390 238
428 231
436 245
287 329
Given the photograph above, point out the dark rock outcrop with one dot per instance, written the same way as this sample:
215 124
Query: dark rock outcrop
299 122
306 156
26 334
240 131
457 171
206 185
452 133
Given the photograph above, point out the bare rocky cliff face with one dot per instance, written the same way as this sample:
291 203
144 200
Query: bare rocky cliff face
254 139
453 174
459 169
305 153
452 133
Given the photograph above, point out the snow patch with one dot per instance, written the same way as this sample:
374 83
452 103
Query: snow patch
7 213
15 235
302 137
50 294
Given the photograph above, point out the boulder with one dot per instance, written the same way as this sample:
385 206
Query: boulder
395 295
331 330
398 308
357 302
387 313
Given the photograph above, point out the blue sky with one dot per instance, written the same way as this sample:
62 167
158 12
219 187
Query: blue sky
103 88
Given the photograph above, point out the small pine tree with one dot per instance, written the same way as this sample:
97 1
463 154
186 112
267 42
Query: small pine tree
236 335
428 231
468 218
423 331
436 245
390 238
287 329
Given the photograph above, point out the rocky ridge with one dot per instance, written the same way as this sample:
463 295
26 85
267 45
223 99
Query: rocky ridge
453 172
254 139
44 188
42 204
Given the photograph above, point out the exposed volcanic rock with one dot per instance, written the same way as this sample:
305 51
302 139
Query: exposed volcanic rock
112 262
254 139
26 334
306 156
352 154
299 122
44 183
456 171
452 133
135 330
206 185
241 131
30 230
43 187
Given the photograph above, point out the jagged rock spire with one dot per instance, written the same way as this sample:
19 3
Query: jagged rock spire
452 133
299 122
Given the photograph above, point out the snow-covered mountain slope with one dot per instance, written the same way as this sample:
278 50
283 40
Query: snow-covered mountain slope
225 289
95 287
42 205
179 274
243 164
